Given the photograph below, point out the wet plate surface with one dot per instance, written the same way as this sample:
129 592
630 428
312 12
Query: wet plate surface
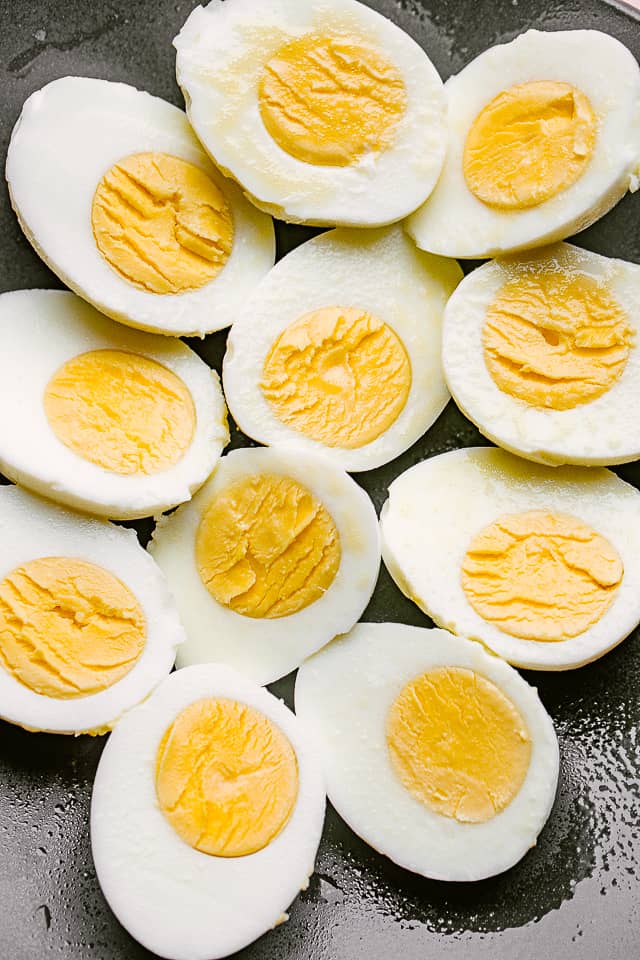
576 894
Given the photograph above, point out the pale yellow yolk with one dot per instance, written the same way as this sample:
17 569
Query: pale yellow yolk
68 628
266 547
329 100
528 144
458 744
338 375
121 411
555 340
541 576
162 223
226 778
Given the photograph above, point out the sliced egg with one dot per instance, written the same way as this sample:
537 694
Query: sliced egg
437 754
540 564
540 351
99 417
323 110
206 815
544 138
339 348
87 626
276 555
117 196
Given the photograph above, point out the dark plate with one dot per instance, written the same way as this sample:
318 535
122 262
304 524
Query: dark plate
576 894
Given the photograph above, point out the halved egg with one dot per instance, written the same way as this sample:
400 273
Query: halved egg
206 815
540 564
339 348
105 419
115 193
540 351
544 138
276 555
323 110
437 754
87 625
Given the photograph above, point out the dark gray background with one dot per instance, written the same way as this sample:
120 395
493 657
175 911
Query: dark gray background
576 894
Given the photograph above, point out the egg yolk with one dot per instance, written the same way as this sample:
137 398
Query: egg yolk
122 411
68 628
162 223
541 576
555 340
266 547
528 144
458 744
337 375
330 100
226 777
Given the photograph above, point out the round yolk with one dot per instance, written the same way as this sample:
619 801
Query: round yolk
555 340
266 547
226 778
458 744
122 411
68 628
338 375
162 223
528 144
330 100
541 576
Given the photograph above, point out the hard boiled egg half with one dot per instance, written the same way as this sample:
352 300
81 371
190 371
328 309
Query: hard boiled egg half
106 419
87 626
117 196
339 348
323 110
544 138
540 564
206 815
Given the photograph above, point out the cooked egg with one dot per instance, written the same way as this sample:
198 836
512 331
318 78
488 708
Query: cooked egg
100 417
277 554
323 110
87 626
437 754
206 815
540 351
540 564
339 348
117 196
544 138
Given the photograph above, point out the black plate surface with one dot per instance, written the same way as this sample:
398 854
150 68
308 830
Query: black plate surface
576 894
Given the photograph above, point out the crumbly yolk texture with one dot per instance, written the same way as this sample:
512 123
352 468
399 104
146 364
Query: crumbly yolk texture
162 223
68 628
226 777
541 576
122 411
458 744
329 100
556 340
338 375
528 144
266 547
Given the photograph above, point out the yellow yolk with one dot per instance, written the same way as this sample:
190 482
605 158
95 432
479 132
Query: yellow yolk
226 778
162 223
528 144
330 100
458 744
338 375
121 411
68 628
555 340
266 547
541 576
